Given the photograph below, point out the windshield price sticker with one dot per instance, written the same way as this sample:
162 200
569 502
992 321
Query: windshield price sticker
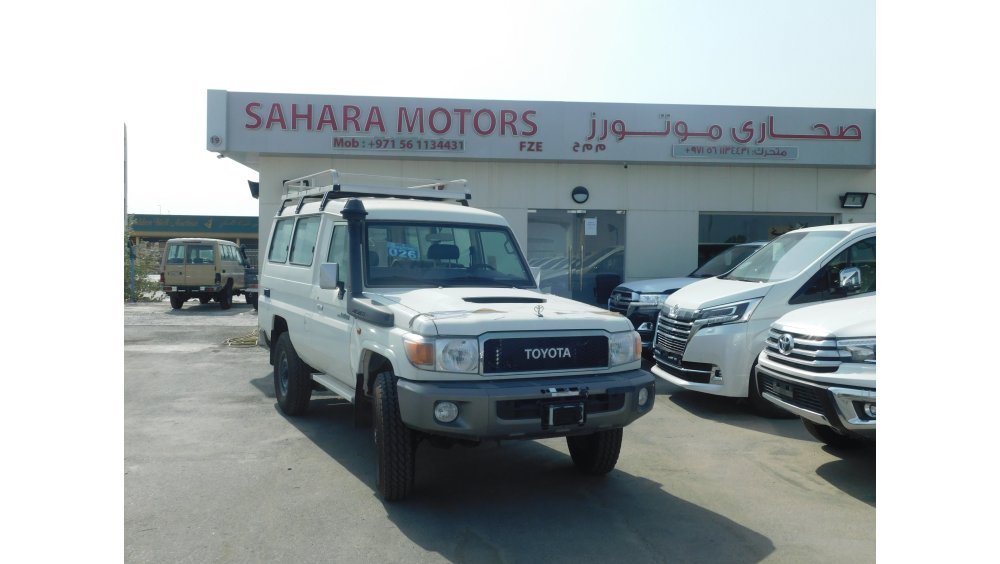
399 250
399 144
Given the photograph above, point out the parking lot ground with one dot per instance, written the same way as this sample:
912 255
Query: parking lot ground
215 473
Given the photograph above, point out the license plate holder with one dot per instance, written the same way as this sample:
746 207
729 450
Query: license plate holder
564 414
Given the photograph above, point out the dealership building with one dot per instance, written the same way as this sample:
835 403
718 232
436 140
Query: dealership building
602 192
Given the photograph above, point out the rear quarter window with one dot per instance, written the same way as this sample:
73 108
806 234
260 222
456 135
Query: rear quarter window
280 240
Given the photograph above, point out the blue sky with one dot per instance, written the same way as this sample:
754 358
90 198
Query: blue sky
726 52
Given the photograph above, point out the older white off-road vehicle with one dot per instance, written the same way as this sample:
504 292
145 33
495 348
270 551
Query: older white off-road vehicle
421 310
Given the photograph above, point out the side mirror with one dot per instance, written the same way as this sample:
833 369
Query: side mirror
850 279
329 272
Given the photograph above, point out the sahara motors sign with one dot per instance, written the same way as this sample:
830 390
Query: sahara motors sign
292 124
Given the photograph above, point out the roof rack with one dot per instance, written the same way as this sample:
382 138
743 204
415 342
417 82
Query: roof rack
331 184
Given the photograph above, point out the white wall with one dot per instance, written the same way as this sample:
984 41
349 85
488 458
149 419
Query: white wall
663 202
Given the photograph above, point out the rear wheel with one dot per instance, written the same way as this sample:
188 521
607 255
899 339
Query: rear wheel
596 453
292 382
176 301
251 299
204 299
226 296
831 437
395 447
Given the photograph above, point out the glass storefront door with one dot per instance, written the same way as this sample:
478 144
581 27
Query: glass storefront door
580 253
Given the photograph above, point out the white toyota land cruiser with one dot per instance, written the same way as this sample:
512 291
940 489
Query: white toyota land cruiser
399 299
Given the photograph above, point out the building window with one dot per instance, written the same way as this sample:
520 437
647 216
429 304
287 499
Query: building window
717 232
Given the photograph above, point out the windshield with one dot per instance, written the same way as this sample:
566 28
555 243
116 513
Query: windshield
785 257
724 261
438 254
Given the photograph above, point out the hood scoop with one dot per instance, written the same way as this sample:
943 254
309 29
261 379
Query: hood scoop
505 300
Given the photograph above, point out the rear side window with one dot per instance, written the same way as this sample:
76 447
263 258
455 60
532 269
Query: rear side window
280 240
304 240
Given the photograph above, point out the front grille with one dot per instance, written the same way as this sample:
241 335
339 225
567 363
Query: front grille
541 354
813 354
806 397
672 334
532 408
620 300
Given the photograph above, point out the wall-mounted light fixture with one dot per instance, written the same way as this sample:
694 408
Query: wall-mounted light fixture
854 199
580 195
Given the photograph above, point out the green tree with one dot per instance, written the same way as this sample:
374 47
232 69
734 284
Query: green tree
147 262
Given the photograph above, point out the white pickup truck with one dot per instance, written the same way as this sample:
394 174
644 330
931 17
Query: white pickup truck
819 363
410 302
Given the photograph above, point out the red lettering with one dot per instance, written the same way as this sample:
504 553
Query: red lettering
507 118
276 116
351 115
492 120
462 114
533 128
447 120
327 117
296 116
404 119
250 110
374 118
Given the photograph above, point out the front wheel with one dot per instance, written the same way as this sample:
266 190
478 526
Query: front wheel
831 437
292 382
395 447
596 453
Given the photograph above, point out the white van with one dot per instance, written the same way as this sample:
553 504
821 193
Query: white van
709 333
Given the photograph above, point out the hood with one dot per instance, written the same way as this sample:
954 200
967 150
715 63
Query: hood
464 311
716 291
657 285
854 317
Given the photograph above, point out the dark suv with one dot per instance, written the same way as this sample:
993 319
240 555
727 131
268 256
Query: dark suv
640 301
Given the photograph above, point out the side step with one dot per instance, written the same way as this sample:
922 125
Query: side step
334 385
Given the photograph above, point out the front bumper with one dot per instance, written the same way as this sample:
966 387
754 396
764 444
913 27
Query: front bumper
834 406
522 409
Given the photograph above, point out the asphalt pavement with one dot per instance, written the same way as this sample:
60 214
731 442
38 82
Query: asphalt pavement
214 472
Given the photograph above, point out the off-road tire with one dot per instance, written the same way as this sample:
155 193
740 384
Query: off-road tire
226 296
292 382
251 298
176 301
831 437
596 453
395 444
203 300
760 405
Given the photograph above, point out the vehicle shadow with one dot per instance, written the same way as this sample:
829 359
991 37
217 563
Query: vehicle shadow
854 474
192 307
523 501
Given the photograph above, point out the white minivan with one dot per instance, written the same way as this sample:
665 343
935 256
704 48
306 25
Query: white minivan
710 333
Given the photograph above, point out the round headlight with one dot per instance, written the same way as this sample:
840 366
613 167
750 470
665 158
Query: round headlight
445 411
458 355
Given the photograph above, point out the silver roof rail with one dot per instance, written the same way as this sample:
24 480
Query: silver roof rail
331 184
